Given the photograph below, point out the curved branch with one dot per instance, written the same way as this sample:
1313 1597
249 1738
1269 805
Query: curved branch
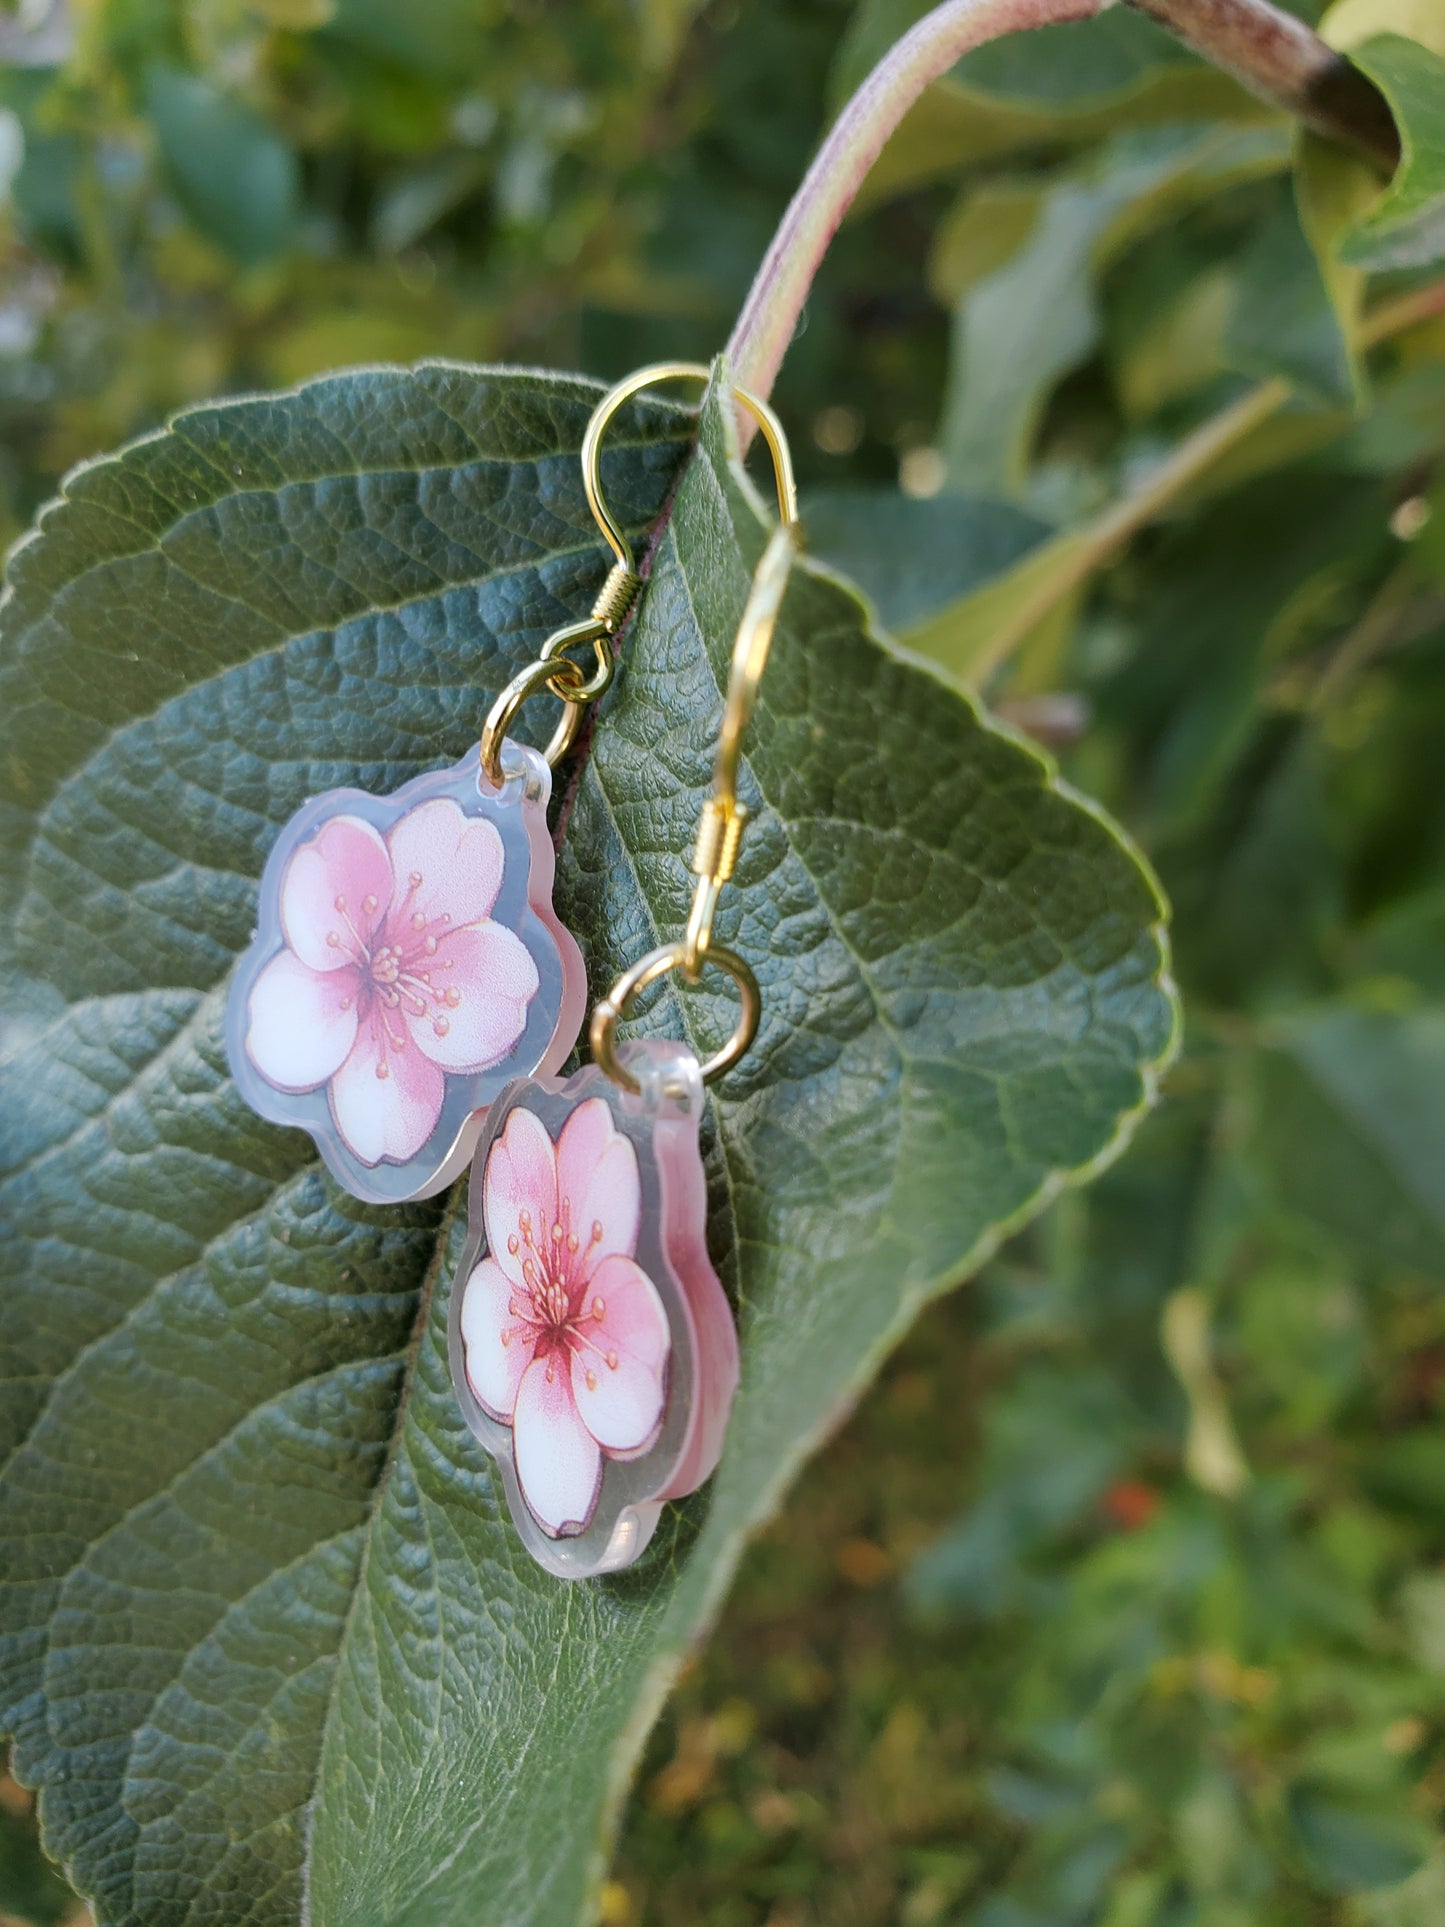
852 144
1279 58
1269 51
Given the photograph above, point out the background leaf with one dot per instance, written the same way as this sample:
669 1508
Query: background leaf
1036 316
913 556
1352 1103
1407 228
1350 1852
1287 319
235 179
1059 67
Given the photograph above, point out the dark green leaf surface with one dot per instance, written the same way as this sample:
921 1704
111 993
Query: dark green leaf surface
914 556
1017 331
1284 322
1347 1850
1407 228
235 178
269 1644
1354 1117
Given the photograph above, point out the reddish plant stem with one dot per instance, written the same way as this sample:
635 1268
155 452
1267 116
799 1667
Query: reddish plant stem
1269 51
1276 56
852 144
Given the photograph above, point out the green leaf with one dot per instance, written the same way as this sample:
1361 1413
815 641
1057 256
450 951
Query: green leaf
1350 1118
43 187
971 636
1348 23
444 38
986 229
1332 188
235 178
1018 330
1418 1903
913 556
1094 61
1165 320
1407 939
1406 229
1285 321
1210 637
1040 303
1423 1601
1032 603
1256 880
1050 1451
269 1643
1347 1849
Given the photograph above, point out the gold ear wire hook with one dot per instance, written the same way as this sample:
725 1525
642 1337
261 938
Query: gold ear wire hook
718 838
555 671
720 832
652 377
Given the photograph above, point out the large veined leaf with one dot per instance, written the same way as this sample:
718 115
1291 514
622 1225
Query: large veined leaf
270 1646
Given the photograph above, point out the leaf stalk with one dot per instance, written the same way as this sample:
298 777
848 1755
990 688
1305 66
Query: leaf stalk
1266 49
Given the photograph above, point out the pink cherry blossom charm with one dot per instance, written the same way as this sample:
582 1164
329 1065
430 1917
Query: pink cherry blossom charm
592 1346
407 964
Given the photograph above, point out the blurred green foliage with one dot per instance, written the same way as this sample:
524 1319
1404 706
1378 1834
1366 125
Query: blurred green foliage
218 197
1121 1603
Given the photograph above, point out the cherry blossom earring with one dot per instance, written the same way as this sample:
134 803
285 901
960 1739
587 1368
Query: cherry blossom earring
592 1346
408 962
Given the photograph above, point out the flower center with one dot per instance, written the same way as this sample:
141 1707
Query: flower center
398 967
554 1305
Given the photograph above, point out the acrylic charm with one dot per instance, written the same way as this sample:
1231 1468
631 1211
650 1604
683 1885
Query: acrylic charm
406 966
592 1346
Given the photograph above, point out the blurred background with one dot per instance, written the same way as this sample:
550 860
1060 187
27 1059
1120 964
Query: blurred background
1120 1600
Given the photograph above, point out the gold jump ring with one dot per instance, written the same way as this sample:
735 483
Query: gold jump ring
548 672
657 963
596 632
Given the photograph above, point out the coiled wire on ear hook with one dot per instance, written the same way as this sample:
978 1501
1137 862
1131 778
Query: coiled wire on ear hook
554 670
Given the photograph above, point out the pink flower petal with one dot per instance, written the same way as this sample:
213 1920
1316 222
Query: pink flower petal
336 886
386 1100
448 869
302 1022
618 1375
499 1345
491 972
597 1172
521 1177
559 1466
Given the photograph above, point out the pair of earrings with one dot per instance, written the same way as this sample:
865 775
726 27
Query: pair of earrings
408 998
